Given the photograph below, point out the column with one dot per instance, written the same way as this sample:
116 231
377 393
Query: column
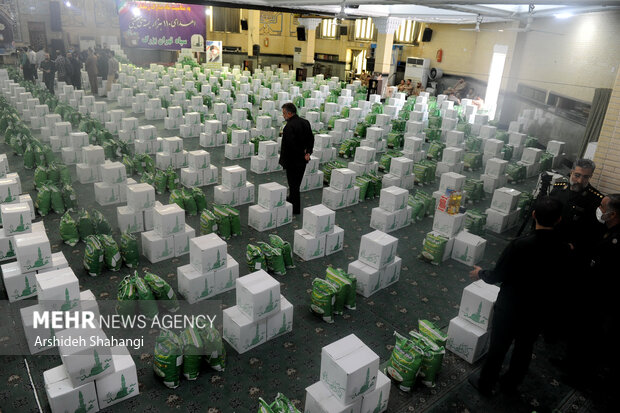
307 47
386 26
253 30
607 156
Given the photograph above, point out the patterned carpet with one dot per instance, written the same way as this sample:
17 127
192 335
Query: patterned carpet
290 363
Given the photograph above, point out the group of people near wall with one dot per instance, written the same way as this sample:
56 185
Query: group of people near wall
67 67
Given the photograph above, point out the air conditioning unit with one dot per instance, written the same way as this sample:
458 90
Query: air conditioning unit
417 69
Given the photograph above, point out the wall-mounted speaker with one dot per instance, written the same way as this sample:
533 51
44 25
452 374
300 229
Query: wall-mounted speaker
55 20
244 24
344 30
301 33
428 33
256 49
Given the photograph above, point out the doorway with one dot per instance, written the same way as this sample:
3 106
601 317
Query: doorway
38 38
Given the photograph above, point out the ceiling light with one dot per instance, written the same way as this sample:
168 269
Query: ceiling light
564 15
68 3
208 11
135 11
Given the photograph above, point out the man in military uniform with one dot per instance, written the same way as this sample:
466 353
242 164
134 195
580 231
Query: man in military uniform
580 201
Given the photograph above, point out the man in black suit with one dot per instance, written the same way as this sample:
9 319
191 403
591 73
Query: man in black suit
297 144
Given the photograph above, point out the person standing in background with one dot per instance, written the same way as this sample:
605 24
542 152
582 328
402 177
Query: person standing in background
76 71
297 145
32 58
91 69
102 64
48 68
26 67
112 71
60 64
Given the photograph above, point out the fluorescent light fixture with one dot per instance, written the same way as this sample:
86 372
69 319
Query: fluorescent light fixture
68 3
564 15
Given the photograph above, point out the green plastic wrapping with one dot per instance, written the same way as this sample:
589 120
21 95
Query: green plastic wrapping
433 333
29 162
176 197
255 258
515 172
85 224
275 261
343 289
192 353
431 360
111 253
68 230
188 202
435 150
53 173
44 200
146 304
160 181
473 160
405 362
433 248
102 226
127 297
235 221
56 202
214 350
69 198
285 247
322 299
40 176
200 199
208 222
168 358
162 291
129 250
93 256
65 174
223 221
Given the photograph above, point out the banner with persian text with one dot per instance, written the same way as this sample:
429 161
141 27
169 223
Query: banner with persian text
154 25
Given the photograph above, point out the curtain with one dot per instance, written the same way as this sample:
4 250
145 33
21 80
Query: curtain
226 20
595 120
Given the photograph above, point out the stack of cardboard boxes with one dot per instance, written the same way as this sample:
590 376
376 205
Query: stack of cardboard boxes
211 270
138 105
494 175
147 141
530 158
341 191
267 159
412 148
556 148
375 138
170 236
239 146
377 265
272 209
323 147
174 120
468 333
504 212
49 123
38 120
153 110
137 216
59 135
451 160
113 186
192 126
199 171
114 122
128 132
93 156
313 177
261 313
393 212
235 189
350 380
173 155
264 128
319 235
492 149
364 161
100 111
401 173
212 135
72 151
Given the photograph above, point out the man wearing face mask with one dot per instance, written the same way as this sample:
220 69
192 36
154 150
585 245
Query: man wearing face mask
580 201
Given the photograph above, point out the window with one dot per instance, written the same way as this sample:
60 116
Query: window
328 28
495 78
224 19
408 32
532 93
364 29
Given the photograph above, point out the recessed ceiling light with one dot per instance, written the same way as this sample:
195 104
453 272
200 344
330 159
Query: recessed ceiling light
565 15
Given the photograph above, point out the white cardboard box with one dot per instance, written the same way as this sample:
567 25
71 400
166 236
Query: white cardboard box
448 225
226 278
342 179
16 218
107 194
129 220
64 397
477 303
271 195
120 385
334 242
18 285
199 159
505 199
391 273
320 400
207 253
258 295
468 248
156 248
37 339
451 180
318 220
334 198
364 154
495 167
281 322
113 173
377 400
307 246
499 222
284 214
181 241
233 176
349 369
377 249
88 358
261 219
241 332
33 251
195 286
466 340
383 220
169 220
368 278
393 198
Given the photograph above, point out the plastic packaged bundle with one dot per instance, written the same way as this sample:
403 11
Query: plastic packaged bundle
111 253
422 172
188 202
502 136
515 172
192 353
53 173
200 199
525 201
362 182
176 197
395 140
531 142
546 161
473 144
56 202
162 291
40 176
385 162
507 151
404 363
93 256
375 185
432 135
168 358
208 222
214 350
129 165
255 258
147 178
101 224
418 208
283 405
472 160
29 162
474 189
69 198
429 201
432 358
127 297
433 248
173 179
360 130
435 150
273 256
44 200
285 248
129 250
235 221
434 122
322 299
146 299
345 294
223 221
160 181
68 230
85 224
475 221
433 333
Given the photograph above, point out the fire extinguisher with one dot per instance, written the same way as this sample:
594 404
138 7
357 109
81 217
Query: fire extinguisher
439 55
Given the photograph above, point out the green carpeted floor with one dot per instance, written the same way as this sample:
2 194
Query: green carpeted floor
291 363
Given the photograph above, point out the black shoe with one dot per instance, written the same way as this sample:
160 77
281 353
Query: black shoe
485 391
